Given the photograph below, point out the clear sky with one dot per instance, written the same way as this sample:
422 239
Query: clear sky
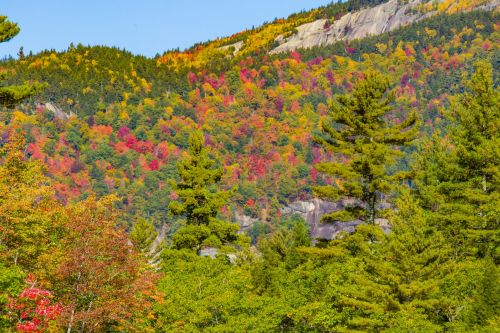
141 26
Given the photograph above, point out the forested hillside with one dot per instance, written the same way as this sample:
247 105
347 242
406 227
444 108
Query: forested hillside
123 179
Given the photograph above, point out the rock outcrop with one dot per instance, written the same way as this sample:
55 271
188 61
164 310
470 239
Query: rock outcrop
237 46
312 211
58 113
370 21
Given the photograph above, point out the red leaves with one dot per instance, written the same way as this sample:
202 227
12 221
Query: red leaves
191 78
314 174
130 141
123 132
34 307
350 50
296 56
141 147
154 165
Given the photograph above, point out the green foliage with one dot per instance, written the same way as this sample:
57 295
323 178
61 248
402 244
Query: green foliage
458 177
435 270
144 237
7 29
11 95
358 129
199 201
29 213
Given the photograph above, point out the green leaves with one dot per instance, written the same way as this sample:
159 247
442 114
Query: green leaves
457 177
199 200
358 131
13 95
7 29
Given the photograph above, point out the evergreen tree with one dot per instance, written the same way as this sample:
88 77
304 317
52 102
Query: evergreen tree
11 95
199 199
358 130
458 176
390 282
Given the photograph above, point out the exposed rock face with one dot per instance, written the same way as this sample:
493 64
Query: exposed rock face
237 46
314 209
58 113
370 21
244 221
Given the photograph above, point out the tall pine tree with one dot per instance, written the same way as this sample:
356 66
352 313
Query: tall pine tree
458 176
199 200
358 129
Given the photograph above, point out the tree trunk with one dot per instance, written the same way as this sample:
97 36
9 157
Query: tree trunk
71 318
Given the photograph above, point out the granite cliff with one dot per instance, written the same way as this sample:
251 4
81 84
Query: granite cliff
369 21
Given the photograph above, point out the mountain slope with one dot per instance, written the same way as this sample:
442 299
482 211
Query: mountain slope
258 110
376 20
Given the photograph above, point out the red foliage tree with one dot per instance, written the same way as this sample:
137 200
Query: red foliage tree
101 280
34 308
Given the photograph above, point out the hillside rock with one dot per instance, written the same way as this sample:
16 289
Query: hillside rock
312 211
244 221
370 21
237 46
58 113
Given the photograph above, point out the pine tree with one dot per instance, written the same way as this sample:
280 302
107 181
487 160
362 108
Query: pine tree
357 129
11 95
458 176
200 200
392 281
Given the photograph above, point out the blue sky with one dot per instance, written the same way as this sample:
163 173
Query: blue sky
143 27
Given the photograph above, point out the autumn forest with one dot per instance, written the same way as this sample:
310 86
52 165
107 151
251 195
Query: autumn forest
258 183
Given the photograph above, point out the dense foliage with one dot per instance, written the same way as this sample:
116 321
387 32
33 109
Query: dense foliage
119 183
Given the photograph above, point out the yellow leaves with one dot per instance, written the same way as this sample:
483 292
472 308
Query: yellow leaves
430 32
65 67
149 102
18 116
37 63
208 89
399 53
87 90
351 64
175 60
290 91
146 86
478 26
303 121
381 47
444 5
341 61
